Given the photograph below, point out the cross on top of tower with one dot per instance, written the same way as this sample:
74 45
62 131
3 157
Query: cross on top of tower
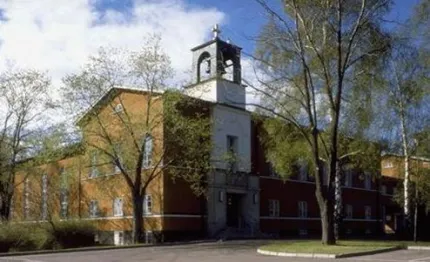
216 31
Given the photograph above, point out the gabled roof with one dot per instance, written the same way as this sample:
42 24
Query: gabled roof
107 97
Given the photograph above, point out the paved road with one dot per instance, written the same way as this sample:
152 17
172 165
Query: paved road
213 252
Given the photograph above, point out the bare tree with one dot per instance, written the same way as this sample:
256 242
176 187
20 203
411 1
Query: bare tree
315 59
24 99
140 139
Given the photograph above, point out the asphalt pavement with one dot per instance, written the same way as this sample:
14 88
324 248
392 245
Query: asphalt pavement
241 251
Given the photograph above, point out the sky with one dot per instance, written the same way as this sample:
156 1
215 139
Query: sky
57 36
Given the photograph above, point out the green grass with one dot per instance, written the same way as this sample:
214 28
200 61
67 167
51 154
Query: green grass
342 247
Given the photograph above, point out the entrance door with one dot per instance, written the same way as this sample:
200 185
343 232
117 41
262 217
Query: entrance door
233 210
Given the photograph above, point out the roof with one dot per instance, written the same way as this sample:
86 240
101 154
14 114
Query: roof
216 40
412 157
109 94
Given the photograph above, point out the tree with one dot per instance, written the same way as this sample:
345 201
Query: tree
167 134
24 96
421 197
405 108
314 60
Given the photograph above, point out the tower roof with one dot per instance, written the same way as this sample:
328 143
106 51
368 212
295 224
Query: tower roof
216 40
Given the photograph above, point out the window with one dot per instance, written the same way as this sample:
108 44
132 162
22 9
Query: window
348 177
368 212
147 204
367 181
117 207
118 238
384 189
149 237
303 209
388 164
303 170
94 169
64 203
147 153
117 152
63 178
221 196
117 170
44 211
26 198
94 208
255 198
273 208
118 108
232 150
348 211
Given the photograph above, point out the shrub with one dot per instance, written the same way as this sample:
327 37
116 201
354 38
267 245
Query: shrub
21 237
72 233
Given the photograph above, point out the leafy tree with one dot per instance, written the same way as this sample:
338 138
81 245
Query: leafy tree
405 108
316 60
164 133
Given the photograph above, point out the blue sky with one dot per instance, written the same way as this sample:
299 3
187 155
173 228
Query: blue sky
244 17
58 36
64 33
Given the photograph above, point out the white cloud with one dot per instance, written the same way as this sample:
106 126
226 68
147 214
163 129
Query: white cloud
58 35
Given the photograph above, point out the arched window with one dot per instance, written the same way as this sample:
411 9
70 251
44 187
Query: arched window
147 152
203 66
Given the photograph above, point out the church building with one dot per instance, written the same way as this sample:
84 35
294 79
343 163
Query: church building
253 201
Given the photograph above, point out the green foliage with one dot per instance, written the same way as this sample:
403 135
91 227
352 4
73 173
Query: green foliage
37 236
361 153
285 147
72 233
23 237
187 138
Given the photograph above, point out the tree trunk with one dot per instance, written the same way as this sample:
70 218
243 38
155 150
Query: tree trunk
416 214
338 200
137 217
406 209
325 197
327 222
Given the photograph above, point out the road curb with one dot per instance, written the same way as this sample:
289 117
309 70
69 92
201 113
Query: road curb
418 248
373 252
102 248
332 256
285 254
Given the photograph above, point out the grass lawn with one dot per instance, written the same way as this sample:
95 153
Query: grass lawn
342 247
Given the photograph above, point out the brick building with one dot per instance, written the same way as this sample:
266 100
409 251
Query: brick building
252 200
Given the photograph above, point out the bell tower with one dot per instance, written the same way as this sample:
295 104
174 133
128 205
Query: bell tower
217 72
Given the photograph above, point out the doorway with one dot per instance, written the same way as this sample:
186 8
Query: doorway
233 210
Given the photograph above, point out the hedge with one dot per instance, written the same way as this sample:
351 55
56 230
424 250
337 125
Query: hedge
53 235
